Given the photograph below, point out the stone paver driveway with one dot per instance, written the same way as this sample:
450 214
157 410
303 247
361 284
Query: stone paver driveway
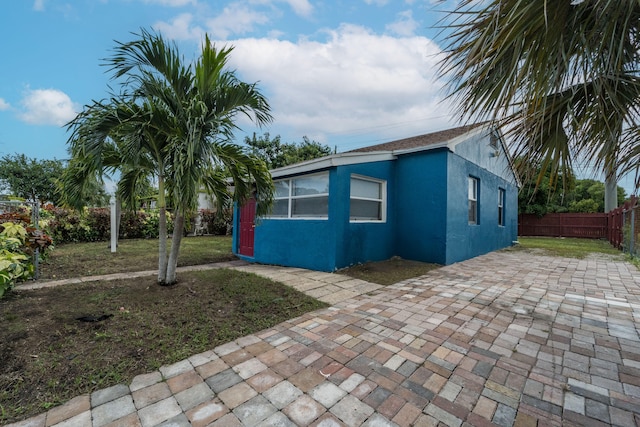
504 339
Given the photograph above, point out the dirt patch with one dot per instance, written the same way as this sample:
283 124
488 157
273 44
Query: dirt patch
390 271
61 342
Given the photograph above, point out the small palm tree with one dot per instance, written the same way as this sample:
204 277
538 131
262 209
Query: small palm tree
173 121
561 76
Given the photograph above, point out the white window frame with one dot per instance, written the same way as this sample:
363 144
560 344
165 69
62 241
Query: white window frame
382 200
473 198
290 198
501 197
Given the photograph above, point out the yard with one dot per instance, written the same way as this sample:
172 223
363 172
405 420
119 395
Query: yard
49 356
61 342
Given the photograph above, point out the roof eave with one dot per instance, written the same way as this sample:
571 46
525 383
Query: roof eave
332 161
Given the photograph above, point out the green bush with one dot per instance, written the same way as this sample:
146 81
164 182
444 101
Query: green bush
99 220
94 224
69 226
212 223
151 222
17 247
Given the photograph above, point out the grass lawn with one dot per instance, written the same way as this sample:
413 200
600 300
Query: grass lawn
48 356
92 259
567 247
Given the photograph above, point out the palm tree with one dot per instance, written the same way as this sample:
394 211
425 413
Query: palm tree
174 121
560 76
121 136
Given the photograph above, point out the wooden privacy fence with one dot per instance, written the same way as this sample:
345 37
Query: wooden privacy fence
621 226
624 226
592 226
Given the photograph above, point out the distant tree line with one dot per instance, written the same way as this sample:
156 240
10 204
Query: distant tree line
37 180
277 154
547 193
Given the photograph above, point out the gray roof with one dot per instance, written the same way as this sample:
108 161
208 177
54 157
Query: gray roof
419 141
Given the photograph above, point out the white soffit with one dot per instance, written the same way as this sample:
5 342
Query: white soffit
341 159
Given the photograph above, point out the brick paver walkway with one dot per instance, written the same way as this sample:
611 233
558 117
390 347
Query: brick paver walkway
507 339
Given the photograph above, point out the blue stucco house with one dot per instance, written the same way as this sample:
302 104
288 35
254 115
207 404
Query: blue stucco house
443 197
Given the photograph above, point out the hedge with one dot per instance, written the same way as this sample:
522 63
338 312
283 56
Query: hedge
94 224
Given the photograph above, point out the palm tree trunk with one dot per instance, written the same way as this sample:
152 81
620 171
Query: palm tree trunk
178 226
610 185
162 232
610 192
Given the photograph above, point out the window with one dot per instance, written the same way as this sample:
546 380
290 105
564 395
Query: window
493 141
302 197
367 199
501 195
473 200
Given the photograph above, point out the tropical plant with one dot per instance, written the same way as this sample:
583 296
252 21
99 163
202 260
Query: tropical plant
173 121
17 246
561 77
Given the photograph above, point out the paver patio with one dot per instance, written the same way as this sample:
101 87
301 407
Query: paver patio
507 339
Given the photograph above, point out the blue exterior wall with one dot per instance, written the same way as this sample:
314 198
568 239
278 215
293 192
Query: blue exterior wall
327 244
421 208
426 213
361 242
306 243
478 150
465 241
476 157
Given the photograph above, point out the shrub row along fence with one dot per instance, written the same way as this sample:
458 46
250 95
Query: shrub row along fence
26 233
621 227
94 224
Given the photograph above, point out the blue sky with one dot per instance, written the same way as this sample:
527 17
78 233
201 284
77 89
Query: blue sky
346 73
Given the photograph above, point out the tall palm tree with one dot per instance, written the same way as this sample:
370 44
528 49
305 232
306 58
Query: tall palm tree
121 135
175 120
560 76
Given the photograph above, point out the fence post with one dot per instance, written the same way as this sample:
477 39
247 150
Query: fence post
114 225
35 220
632 234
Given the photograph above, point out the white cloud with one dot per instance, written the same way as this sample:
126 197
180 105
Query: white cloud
47 107
4 105
301 7
180 28
353 80
404 25
236 18
38 5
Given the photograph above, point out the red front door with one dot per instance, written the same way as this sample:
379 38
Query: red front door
247 227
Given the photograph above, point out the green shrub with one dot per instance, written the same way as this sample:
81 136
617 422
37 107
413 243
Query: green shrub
17 247
99 220
69 226
94 224
151 222
212 223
